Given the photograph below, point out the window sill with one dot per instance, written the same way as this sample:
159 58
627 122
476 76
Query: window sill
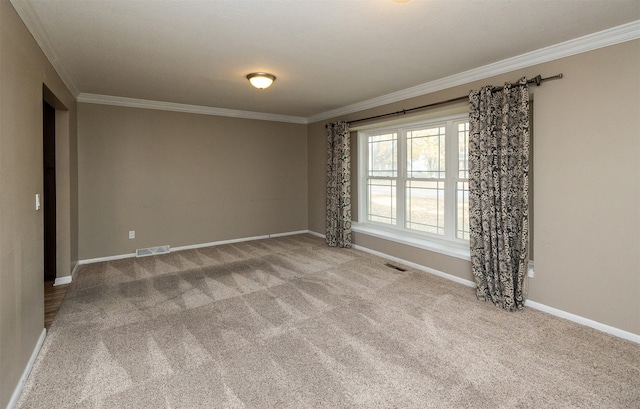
460 251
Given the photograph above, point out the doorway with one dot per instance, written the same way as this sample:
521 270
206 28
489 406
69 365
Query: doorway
49 190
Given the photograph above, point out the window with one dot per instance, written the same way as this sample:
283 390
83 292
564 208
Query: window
414 179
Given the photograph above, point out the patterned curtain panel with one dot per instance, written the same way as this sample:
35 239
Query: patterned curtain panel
338 229
499 192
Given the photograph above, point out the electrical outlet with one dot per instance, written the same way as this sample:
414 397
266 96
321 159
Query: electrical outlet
132 234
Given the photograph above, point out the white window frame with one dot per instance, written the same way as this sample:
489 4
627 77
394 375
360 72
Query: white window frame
447 244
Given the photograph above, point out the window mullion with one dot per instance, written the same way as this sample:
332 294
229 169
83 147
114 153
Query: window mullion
451 170
363 176
401 189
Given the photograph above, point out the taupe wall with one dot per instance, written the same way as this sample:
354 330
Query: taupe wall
587 185
23 71
184 179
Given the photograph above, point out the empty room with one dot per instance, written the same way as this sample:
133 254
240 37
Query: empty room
320 204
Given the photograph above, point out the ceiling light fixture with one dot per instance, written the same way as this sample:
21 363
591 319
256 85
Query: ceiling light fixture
261 80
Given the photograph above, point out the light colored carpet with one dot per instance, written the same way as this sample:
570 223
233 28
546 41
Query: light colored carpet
290 323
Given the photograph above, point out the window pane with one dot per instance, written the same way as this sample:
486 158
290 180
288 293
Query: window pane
426 153
383 155
381 198
463 150
462 209
425 206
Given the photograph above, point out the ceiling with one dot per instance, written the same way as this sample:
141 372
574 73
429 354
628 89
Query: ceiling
326 54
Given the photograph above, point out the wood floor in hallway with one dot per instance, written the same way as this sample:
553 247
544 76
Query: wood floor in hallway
53 296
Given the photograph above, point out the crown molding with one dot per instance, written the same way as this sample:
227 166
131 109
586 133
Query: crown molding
194 109
31 21
612 36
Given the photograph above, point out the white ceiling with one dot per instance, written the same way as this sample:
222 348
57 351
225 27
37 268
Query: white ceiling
326 54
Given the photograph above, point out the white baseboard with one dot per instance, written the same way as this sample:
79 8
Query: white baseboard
75 269
219 243
240 240
629 336
201 245
451 277
27 370
290 233
108 258
67 279
62 280
323 236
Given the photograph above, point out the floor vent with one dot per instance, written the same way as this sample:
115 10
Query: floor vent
395 267
152 251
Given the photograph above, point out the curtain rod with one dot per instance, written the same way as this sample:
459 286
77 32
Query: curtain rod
536 80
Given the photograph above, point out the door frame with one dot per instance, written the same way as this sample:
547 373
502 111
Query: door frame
66 189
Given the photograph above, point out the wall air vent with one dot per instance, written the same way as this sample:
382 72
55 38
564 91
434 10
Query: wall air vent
152 251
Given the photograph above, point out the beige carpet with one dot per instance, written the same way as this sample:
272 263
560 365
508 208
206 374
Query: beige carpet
290 323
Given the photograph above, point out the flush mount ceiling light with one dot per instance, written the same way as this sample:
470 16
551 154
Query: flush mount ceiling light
261 80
